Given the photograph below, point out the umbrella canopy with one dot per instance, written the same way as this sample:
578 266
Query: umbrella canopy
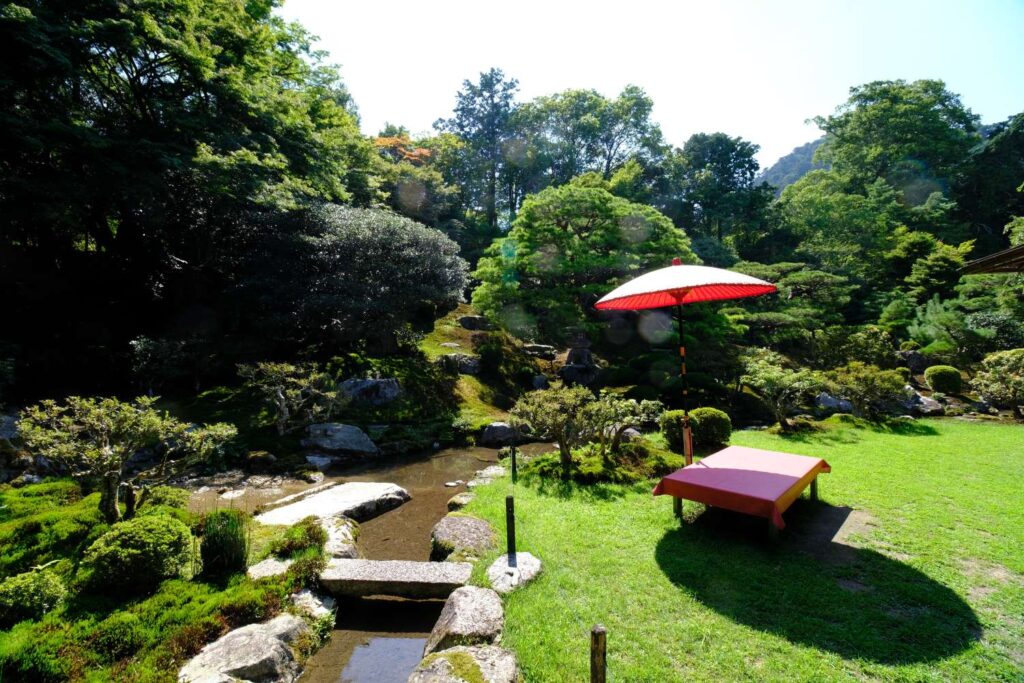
676 286
679 284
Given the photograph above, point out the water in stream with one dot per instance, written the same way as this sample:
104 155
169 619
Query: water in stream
379 640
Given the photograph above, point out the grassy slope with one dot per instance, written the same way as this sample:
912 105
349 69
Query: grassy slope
933 590
473 395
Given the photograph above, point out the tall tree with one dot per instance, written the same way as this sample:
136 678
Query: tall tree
916 135
482 113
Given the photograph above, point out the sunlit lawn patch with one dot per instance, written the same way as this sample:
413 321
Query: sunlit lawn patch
911 568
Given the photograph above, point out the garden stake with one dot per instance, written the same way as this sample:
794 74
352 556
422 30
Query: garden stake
598 663
510 530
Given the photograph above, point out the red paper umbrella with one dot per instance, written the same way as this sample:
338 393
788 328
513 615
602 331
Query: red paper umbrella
675 286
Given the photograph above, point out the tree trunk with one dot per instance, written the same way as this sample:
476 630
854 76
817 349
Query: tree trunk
108 497
131 500
282 412
566 458
617 438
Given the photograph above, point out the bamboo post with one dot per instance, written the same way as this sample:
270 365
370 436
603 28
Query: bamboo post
687 434
598 660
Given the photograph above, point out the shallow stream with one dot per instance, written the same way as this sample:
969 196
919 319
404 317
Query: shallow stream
380 640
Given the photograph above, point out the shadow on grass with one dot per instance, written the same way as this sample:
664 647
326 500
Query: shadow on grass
585 492
816 591
847 430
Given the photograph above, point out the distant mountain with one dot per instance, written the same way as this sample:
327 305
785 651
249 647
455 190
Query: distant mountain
792 167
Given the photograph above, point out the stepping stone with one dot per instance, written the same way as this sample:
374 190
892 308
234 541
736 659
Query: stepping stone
506 579
460 538
257 652
358 499
471 616
401 578
460 500
488 663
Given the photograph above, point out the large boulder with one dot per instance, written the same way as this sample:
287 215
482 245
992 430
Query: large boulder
471 616
917 404
498 434
460 538
359 500
475 322
9 427
313 605
913 361
371 392
487 475
258 653
339 438
463 363
473 664
829 404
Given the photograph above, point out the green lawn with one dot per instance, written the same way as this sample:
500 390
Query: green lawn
924 582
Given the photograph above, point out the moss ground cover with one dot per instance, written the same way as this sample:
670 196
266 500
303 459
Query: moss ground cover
910 568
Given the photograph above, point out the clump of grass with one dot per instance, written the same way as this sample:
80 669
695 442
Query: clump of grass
225 547
305 534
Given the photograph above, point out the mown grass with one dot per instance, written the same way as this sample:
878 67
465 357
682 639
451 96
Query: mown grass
925 581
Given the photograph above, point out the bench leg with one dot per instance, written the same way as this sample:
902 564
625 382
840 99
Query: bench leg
773 532
677 507
814 489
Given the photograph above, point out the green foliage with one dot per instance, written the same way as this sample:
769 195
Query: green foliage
313 277
936 274
870 388
1001 379
29 595
137 554
912 133
869 344
559 413
302 536
503 363
298 394
711 427
944 378
671 424
636 461
118 636
942 328
779 385
225 542
94 438
567 245
166 496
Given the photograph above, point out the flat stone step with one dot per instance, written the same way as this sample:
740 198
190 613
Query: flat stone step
400 578
359 500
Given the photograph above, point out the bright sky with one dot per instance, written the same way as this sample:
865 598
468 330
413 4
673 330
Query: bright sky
752 68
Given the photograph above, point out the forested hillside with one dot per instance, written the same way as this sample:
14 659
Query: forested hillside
792 167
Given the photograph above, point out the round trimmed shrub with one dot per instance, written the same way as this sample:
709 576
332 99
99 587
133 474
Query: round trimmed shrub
139 553
910 345
118 636
29 595
944 378
225 547
671 423
711 427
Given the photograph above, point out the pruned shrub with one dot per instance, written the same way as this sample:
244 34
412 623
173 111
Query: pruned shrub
910 345
305 534
225 543
711 427
118 636
259 603
671 423
871 389
1001 379
138 554
29 595
944 378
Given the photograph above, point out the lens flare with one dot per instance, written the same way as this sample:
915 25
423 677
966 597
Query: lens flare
655 327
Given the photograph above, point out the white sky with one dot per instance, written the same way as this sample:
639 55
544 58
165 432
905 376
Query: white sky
752 68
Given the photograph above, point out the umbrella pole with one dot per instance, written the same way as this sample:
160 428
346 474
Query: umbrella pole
687 433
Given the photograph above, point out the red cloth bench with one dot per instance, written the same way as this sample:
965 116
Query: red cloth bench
747 480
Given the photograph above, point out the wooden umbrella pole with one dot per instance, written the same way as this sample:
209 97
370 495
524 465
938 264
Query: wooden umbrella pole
687 434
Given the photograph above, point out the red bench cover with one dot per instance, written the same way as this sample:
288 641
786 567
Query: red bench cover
748 480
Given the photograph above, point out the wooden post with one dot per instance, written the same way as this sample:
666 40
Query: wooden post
598 661
510 529
513 456
677 507
814 488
